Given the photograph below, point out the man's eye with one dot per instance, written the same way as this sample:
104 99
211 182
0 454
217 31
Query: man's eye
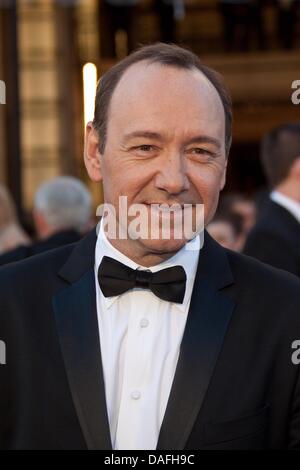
145 148
200 151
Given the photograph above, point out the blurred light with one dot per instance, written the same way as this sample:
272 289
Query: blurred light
89 72
2 92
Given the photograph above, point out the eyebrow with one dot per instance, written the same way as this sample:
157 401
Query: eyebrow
145 134
156 136
204 139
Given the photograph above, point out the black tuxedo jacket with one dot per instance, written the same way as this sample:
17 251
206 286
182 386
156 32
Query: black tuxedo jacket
55 241
235 385
275 239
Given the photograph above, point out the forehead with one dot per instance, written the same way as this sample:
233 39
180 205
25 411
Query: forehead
155 92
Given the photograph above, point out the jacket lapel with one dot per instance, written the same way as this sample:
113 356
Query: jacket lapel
77 326
208 319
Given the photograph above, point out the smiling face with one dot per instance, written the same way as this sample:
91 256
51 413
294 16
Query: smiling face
165 144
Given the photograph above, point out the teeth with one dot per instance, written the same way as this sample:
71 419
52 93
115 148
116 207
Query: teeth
165 209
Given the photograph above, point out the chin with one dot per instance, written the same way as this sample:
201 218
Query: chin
163 245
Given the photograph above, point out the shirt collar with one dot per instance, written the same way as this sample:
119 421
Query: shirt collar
292 206
187 257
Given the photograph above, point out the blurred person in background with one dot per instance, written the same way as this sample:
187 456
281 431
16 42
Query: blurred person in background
11 233
275 239
235 203
62 213
227 229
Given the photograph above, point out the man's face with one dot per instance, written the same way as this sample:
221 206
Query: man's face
165 143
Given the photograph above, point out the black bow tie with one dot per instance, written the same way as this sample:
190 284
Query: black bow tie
115 278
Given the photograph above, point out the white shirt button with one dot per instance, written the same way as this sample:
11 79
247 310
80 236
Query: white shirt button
135 394
144 322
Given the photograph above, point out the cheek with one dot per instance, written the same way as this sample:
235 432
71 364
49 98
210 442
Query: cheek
207 181
114 177
123 182
207 184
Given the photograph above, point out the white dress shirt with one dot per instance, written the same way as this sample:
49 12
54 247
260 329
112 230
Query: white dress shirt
289 204
140 337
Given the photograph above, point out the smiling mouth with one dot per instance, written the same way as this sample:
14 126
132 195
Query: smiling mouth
163 206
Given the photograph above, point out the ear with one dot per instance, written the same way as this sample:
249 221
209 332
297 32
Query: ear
92 155
40 224
295 168
223 178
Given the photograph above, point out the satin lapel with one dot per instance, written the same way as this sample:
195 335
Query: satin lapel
76 318
208 319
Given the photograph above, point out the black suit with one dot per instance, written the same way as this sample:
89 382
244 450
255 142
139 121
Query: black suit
235 385
55 241
275 239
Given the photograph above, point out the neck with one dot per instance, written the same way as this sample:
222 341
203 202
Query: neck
49 232
290 188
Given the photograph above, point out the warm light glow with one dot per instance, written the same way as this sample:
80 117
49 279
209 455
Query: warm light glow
89 90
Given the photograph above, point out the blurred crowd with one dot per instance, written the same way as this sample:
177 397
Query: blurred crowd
243 22
265 226
62 213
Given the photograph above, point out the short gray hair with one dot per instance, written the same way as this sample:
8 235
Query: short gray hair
65 202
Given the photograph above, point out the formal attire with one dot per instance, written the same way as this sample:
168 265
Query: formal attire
275 238
71 369
140 337
54 241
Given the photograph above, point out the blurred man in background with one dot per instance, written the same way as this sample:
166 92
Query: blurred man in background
62 212
275 239
237 207
227 229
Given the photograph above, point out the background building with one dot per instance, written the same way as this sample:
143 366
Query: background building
44 45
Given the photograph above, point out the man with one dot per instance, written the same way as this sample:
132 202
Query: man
151 342
227 230
61 214
242 207
275 239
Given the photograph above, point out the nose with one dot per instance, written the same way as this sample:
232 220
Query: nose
172 176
